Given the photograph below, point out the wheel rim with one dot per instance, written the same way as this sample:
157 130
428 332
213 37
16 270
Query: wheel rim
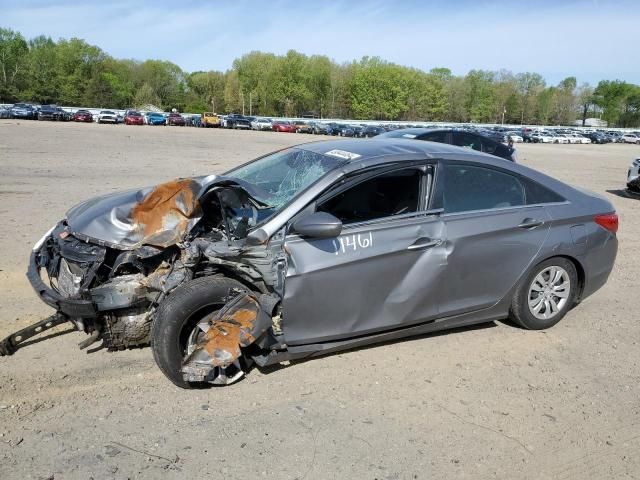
549 292
194 331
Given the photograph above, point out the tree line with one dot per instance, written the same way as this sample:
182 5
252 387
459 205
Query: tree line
73 72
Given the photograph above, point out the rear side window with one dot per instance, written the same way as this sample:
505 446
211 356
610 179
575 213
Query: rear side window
386 195
440 137
466 188
536 193
462 139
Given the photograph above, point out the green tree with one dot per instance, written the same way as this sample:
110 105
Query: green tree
480 98
528 86
44 83
205 91
13 63
612 97
378 90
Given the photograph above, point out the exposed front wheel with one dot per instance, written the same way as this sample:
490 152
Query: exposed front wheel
175 329
545 294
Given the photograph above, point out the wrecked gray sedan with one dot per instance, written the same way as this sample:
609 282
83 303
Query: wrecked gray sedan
319 248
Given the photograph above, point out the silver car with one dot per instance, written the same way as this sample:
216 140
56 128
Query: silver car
319 248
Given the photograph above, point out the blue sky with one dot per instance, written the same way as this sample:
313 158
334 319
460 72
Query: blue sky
591 39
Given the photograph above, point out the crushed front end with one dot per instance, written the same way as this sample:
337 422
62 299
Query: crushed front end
105 292
107 266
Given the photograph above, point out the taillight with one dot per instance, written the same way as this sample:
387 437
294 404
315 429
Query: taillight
608 221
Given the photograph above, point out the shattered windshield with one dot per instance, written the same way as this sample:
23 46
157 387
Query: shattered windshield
281 176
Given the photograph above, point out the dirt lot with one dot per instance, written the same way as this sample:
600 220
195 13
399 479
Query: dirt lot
488 402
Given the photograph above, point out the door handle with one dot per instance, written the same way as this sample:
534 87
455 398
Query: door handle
423 243
530 223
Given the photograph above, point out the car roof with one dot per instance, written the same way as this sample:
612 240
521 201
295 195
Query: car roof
391 148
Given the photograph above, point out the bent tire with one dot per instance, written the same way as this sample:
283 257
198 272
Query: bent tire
545 294
177 317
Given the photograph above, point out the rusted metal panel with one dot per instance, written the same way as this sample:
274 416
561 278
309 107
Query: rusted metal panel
238 324
163 216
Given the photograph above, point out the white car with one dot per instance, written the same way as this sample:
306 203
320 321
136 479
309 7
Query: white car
633 177
583 139
560 138
107 116
515 137
630 138
542 137
261 124
575 138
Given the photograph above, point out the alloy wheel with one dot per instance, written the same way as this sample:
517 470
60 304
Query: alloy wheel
549 292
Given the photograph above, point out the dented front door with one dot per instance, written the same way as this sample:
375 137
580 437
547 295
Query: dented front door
373 277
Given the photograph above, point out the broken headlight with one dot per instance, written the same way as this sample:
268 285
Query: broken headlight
40 242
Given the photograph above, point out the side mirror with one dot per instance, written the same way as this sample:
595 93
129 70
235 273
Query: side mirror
318 225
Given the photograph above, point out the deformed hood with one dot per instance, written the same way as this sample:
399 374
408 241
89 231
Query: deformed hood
159 216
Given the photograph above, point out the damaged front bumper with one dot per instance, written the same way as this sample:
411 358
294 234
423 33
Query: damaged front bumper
71 307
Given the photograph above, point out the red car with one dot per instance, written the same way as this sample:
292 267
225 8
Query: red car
283 126
82 116
175 119
134 118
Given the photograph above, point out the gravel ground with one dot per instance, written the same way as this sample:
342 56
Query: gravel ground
487 402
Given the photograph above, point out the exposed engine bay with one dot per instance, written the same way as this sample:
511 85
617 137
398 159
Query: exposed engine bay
106 269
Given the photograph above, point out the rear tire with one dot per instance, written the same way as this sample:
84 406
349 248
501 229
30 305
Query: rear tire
545 294
176 318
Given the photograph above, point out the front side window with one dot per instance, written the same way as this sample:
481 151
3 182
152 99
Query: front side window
466 188
389 194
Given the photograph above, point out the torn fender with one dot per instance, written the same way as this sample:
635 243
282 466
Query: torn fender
238 324
160 216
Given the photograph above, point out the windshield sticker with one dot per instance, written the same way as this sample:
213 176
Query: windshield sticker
343 154
409 135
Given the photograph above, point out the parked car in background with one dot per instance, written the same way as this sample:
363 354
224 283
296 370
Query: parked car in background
614 137
633 176
333 128
260 123
107 116
559 138
460 138
133 117
597 137
301 126
526 135
48 112
24 111
153 118
584 139
82 116
372 130
515 137
318 128
209 120
5 112
630 138
236 121
345 130
283 126
175 119
542 137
